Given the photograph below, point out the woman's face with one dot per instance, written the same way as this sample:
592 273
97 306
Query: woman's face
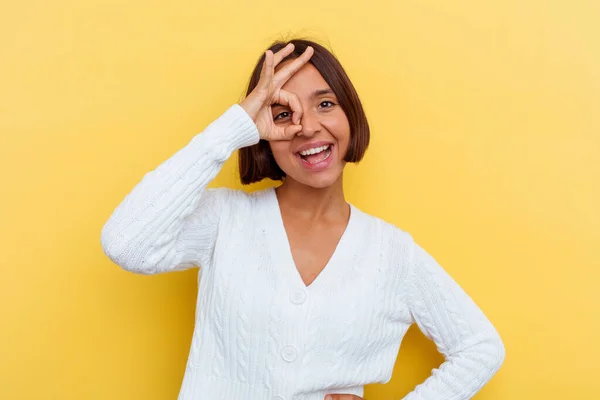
315 156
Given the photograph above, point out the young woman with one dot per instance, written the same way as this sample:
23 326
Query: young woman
301 294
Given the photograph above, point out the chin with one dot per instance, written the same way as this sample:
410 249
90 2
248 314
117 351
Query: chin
318 180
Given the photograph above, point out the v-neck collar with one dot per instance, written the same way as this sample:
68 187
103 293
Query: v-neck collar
281 247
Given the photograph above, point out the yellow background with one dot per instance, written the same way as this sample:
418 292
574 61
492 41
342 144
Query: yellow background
485 146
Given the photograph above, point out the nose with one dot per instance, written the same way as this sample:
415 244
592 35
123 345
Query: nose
310 124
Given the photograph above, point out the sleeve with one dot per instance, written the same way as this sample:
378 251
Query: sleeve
471 346
169 221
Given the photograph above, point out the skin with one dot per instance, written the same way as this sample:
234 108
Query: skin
288 114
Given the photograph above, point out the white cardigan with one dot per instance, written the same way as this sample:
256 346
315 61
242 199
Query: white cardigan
260 332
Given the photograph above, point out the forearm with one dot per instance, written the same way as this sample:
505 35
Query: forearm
463 373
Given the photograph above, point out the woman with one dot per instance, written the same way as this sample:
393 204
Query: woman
301 294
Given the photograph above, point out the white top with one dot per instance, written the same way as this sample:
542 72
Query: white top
260 332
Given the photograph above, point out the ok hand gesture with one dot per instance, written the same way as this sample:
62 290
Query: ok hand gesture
268 91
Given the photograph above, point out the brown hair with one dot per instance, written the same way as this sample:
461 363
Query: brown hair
257 162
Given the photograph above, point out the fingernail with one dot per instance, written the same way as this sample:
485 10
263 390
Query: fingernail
328 397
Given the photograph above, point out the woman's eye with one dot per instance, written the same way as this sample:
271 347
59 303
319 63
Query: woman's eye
327 101
281 115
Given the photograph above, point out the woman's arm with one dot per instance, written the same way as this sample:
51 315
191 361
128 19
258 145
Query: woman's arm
169 220
445 313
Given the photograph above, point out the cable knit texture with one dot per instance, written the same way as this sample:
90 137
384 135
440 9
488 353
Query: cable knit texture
260 332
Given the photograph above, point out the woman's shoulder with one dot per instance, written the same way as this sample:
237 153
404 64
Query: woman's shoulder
390 233
237 200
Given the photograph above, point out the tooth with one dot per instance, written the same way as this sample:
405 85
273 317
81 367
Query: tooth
314 150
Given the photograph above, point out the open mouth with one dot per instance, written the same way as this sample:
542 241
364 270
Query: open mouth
316 155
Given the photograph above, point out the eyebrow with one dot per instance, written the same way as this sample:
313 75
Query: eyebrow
321 92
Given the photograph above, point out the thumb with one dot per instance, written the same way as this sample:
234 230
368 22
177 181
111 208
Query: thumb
284 133
290 131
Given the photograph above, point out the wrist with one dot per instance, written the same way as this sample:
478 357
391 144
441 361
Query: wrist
251 113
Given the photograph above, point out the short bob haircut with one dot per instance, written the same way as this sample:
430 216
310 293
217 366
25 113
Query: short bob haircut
257 162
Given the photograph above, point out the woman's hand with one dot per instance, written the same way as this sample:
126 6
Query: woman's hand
268 91
342 397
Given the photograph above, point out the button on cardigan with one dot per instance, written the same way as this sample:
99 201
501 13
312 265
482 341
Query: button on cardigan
260 332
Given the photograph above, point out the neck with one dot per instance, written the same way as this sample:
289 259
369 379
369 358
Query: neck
312 203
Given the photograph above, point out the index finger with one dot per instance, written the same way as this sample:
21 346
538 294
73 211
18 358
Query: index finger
289 70
283 53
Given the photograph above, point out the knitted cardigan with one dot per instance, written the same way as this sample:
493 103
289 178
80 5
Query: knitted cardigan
260 332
